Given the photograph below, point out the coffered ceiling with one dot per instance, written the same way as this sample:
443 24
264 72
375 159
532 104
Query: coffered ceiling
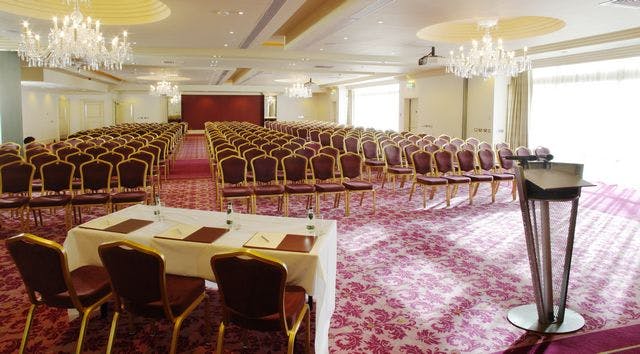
253 43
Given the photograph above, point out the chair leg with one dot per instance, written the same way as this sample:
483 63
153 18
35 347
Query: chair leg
317 204
346 203
308 343
27 327
361 198
413 188
373 199
83 329
471 187
220 345
448 195
286 204
112 331
424 196
513 189
174 336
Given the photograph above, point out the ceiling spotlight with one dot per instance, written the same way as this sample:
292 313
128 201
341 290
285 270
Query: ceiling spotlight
380 22
231 32
321 49
226 45
345 38
240 13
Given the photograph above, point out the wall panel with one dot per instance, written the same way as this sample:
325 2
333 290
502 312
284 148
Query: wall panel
197 109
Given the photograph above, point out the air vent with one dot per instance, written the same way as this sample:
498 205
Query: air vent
323 66
168 62
630 4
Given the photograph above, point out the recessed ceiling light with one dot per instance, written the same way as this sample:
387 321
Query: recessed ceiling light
231 32
393 53
226 45
380 22
240 13
321 49
345 38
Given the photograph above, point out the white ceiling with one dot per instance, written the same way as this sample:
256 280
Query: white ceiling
380 37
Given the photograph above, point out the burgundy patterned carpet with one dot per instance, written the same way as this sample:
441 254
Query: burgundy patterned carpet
410 280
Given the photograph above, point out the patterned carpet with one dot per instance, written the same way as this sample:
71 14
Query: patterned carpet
410 280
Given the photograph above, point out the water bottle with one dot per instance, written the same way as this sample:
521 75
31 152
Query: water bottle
310 222
157 210
229 214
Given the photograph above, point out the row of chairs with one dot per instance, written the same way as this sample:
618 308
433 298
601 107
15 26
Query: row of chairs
252 287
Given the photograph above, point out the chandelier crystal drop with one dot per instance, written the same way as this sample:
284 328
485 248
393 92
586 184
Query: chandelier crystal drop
486 60
175 99
300 90
164 88
74 43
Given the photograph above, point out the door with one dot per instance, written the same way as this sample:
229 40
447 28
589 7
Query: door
124 112
63 117
414 116
93 114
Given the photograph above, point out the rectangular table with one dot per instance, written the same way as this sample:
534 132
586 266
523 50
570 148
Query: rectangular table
315 271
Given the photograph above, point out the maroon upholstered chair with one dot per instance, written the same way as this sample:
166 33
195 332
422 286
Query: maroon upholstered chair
299 140
337 141
523 151
45 272
124 150
501 145
292 146
9 151
29 153
57 146
295 179
467 166
132 183
473 141
114 159
85 145
62 153
325 180
431 148
505 164
38 161
424 176
484 146
325 138
542 151
452 148
444 137
233 181
56 192
306 152
162 160
351 172
136 144
352 144
148 291
246 146
407 150
150 160
265 180
78 159
110 145
95 190
96 151
15 189
394 166
467 146
486 163
457 142
34 144
372 159
279 154
269 146
9 158
316 146
155 169
254 295
444 168
314 135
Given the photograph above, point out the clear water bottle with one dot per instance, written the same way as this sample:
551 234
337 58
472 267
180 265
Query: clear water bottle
157 210
311 225
229 214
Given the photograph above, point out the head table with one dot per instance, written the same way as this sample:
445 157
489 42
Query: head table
315 271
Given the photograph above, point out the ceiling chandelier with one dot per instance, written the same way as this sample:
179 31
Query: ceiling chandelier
485 60
164 88
75 43
175 98
300 90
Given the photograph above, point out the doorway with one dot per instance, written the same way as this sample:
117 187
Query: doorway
93 114
411 115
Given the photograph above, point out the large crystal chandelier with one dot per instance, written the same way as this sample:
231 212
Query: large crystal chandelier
164 88
485 60
300 90
75 43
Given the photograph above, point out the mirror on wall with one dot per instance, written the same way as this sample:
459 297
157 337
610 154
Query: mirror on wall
174 109
270 106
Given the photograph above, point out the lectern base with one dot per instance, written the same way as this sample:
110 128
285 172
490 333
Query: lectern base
526 317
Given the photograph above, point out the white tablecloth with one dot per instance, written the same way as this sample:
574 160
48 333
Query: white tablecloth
315 271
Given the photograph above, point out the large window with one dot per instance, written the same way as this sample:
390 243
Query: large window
590 113
376 107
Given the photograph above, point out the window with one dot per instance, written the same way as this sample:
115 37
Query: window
377 107
589 113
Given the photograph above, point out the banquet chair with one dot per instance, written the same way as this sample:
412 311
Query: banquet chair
445 169
352 144
95 151
316 146
467 167
233 181
269 146
265 180
486 163
431 148
132 184
337 141
110 145
44 269
279 154
295 179
325 180
66 151
155 169
9 158
394 166
29 153
423 175
95 176
371 157
333 152
149 291
124 150
484 146
149 159
15 190
407 150
325 138
57 146
162 159
56 192
136 144
254 295
523 151
114 159
351 172
85 145
306 152
542 151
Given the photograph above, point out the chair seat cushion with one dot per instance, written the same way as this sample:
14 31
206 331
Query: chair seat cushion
50 200
90 198
503 176
457 179
431 181
269 189
372 162
480 178
182 291
299 188
236 191
13 202
399 170
76 185
129 197
357 185
294 301
91 284
329 187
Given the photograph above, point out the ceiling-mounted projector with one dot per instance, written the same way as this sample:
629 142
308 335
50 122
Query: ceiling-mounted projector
430 58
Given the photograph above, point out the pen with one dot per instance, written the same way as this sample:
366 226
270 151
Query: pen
264 238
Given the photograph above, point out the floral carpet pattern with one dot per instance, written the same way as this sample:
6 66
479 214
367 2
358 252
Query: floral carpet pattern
409 280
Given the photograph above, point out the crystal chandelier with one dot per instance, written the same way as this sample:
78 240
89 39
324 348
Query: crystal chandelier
75 43
300 90
175 99
485 60
164 88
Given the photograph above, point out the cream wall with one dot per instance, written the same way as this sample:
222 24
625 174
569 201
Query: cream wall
40 114
480 109
146 108
76 110
314 108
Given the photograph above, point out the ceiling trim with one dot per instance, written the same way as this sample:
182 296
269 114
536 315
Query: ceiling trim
264 20
606 54
610 37
308 15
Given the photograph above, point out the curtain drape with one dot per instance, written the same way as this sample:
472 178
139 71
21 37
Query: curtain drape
518 110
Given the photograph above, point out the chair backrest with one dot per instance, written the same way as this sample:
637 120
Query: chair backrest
253 152
337 141
316 146
124 150
29 153
132 173
486 160
325 138
523 151
96 151
251 286
300 141
369 149
265 169
350 165
57 176
444 161
501 145
351 144
331 151
146 157
16 177
85 145
452 148
484 146
279 154
305 151
110 145
136 144
222 154
59 145
78 159
292 146
233 169
322 167
392 155
422 162
43 267
408 150
505 163
314 135
466 160
114 159
96 175
440 142
144 285
41 159
9 158
153 150
542 151
457 142
66 151
9 150
295 167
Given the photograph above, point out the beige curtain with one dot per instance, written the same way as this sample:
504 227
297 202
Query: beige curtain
518 110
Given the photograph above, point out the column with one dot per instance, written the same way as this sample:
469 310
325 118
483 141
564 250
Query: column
10 98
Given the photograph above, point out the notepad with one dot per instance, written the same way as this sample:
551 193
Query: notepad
281 242
267 240
116 224
193 233
103 222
